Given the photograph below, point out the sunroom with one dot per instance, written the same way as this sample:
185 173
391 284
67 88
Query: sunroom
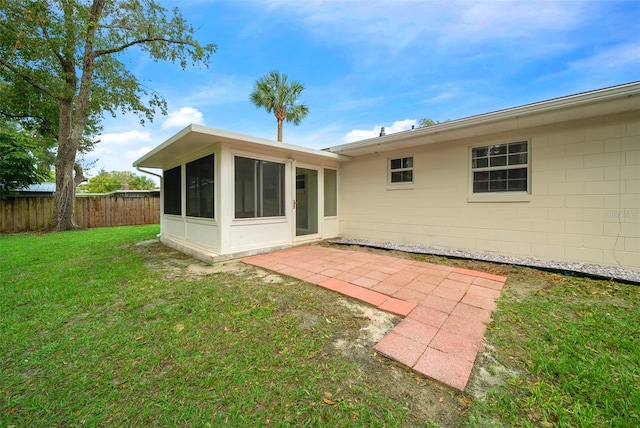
225 195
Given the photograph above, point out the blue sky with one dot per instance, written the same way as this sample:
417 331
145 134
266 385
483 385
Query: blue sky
367 64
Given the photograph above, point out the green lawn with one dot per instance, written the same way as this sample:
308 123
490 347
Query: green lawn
92 333
92 336
570 353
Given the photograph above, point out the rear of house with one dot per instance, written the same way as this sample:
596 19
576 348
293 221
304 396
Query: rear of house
557 180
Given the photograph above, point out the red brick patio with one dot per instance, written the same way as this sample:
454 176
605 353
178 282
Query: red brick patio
446 309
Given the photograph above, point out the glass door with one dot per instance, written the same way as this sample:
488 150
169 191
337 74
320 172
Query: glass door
306 203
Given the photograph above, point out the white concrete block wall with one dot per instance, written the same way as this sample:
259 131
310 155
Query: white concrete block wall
584 205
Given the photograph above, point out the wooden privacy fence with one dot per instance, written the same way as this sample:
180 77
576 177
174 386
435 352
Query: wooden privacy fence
34 212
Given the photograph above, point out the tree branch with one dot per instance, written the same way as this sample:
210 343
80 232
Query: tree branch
79 176
102 52
28 79
57 53
45 123
83 97
20 116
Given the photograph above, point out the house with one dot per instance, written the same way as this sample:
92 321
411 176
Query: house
555 180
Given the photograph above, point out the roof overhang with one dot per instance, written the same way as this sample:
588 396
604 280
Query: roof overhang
603 102
194 138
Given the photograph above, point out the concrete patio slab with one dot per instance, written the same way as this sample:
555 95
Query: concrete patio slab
446 309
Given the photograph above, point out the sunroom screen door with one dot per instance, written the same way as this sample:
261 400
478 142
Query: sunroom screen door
306 201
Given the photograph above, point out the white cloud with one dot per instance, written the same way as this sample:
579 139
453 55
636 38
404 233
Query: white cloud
124 137
136 154
385 29
615 65
619 57
220 89
100 150
363 134
116 151
485 20
183 117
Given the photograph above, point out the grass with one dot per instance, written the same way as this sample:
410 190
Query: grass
93 333
573 352
92 336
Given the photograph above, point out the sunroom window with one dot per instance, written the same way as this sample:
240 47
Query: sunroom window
330 192
259 188
401 170
500 168
173 191
200 187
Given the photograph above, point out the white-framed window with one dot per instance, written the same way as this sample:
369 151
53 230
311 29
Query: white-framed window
401 170
259 188
500 168
330 192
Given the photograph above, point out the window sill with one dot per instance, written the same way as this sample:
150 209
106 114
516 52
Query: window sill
201 220
400 186
499 197
258 220
173 216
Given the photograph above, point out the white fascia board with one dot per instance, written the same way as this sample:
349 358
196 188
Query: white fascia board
186 130
219 135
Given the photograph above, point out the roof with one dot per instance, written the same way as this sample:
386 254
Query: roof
602 102
124 193
196 137
39 188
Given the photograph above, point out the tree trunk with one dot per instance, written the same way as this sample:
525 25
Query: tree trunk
73 118
65 161
280 130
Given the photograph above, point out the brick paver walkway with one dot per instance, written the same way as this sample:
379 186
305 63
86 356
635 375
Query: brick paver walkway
446 309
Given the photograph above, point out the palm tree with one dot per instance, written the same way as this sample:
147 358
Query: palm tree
273 92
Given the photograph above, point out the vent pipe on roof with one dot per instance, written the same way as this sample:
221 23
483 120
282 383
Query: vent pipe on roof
382 133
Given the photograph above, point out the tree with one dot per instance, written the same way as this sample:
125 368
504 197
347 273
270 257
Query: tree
139 182
274 93
19 166
427 122
133 181
62 57
106 182
101 183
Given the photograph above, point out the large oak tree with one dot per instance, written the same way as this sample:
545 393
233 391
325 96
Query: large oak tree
61 62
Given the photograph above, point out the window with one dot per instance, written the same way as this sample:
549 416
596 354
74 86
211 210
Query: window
172 191
330 192
259 188
500 168
200 187
401 170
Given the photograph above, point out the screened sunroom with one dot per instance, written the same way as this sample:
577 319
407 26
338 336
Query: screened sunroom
226 195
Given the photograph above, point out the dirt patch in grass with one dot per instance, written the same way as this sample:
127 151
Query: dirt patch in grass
504 362
429 403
